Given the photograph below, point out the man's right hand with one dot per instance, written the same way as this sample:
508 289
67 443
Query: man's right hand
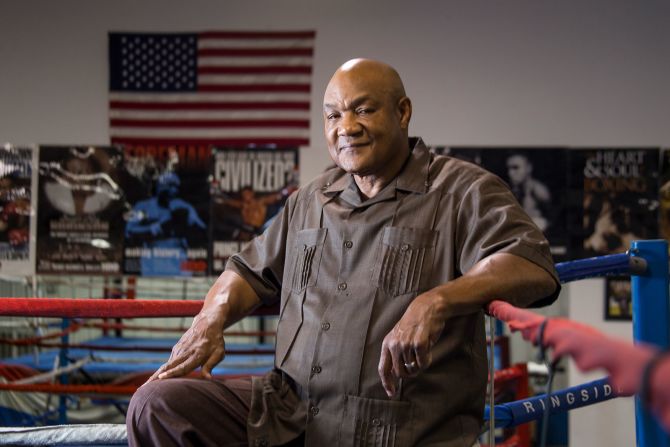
201 345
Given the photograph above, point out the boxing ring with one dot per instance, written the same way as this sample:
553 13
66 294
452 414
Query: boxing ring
646 262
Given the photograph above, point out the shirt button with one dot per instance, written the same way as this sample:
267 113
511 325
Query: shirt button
348 244
316 369
314 410
376 422
342 286
404 247
325 326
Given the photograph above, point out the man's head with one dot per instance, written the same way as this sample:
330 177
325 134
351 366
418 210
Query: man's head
519 168
367 114
167 187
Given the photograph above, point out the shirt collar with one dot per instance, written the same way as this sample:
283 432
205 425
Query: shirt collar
412 178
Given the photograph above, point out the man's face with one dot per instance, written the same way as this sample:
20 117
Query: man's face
517 169
364 126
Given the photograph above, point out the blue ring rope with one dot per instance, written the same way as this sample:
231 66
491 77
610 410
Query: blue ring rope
511 414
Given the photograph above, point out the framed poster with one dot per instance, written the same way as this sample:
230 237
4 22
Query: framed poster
17 245
249 187
81 207
618 299
616 192
166 228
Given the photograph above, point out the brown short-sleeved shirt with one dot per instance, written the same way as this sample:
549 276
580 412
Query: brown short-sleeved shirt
346 270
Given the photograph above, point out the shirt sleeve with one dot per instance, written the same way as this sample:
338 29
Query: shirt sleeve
261 261
491 220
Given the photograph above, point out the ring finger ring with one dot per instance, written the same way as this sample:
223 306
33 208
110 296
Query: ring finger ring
410 365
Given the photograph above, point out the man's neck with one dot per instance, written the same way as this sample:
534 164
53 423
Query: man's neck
370 185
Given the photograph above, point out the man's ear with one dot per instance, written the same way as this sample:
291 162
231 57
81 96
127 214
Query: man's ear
405 110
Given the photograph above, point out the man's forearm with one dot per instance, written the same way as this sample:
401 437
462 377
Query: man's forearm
232 297
500 276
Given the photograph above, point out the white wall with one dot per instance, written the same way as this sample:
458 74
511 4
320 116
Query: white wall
514 72
610 423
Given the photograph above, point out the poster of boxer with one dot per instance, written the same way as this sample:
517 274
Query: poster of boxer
471 154
536 176
249 187
81 207
166 230
538 180
617 198
16 206
664 195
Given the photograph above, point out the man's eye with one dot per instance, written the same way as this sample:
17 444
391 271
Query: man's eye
332 116
365 111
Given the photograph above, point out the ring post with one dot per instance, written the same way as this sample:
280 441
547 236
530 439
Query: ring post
651 323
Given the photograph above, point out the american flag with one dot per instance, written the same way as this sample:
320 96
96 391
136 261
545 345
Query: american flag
210 88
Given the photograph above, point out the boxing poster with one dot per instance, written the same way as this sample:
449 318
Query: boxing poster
165 230
538 180
615 202
471 154
249 187
81 207
16 211
536 176
664 195
618 298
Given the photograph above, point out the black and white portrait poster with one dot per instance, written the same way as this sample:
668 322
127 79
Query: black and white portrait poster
81 207
249 187
16 210
664 196
166 230
537 178
618 194
471 154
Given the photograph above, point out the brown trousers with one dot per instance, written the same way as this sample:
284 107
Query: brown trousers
191 412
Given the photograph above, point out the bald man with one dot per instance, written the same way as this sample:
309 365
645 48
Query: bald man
382 266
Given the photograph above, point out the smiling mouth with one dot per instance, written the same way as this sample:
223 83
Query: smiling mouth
353 146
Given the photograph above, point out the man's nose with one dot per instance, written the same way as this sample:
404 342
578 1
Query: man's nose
349 125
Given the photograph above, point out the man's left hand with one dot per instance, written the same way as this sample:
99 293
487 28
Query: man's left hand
406 350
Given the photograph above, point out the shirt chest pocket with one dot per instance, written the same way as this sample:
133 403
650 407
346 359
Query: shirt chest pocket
307 257
405 260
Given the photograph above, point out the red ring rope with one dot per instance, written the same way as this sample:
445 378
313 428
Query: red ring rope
106 308
97 308
136 327
31 341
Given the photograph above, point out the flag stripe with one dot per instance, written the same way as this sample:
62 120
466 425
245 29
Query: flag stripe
263 69
255 52
258 35
215 61
254 88
191 97
208 123
208 114
134 105
192 132
280 142
266 78
255 43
